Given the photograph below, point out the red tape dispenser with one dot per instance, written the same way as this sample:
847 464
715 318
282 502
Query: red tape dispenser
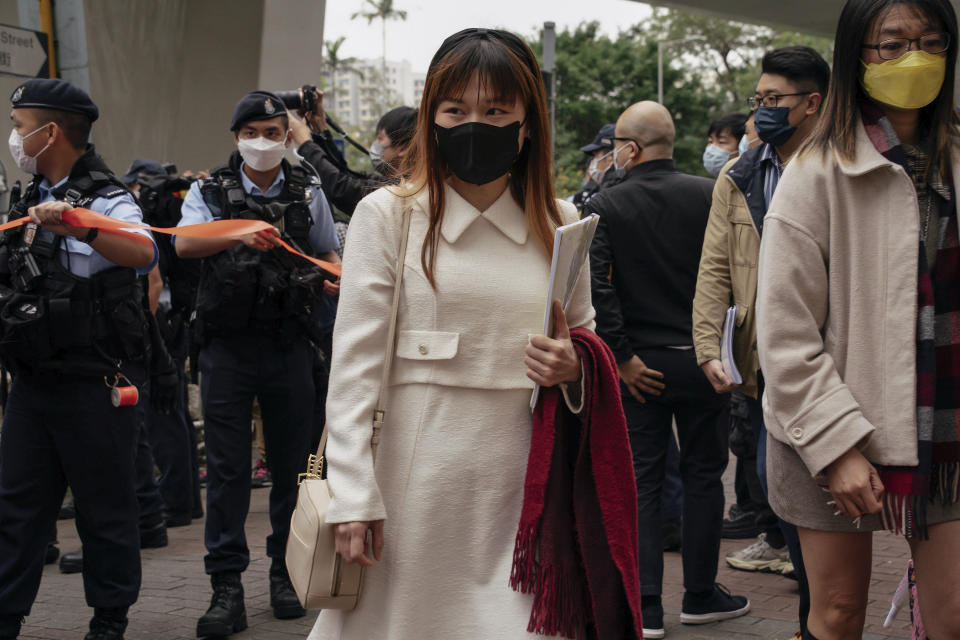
122 396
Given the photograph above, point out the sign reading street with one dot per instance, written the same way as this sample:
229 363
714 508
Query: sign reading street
23 52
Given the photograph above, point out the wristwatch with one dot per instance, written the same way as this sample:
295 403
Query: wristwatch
91 235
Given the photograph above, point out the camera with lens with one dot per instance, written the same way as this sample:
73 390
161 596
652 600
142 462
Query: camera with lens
302 99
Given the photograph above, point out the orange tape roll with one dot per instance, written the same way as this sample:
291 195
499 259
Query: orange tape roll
124 396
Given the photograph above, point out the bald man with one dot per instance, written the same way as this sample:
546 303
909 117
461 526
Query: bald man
644 262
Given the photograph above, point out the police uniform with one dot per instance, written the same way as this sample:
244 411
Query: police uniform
171 434
254 314
70 320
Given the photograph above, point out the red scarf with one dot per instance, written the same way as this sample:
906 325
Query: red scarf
576 547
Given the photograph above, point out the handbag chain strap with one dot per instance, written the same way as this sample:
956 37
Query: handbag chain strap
316 463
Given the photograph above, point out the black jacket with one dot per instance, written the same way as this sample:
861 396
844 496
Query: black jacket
645 256
343 187
749 174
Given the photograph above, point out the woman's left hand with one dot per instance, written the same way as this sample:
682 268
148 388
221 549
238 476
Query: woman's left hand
551 361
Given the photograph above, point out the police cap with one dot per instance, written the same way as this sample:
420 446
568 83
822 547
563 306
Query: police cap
142 166
257 105
52 93
604 139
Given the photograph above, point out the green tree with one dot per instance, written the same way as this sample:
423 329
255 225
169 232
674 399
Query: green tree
384 10
333 63
598 77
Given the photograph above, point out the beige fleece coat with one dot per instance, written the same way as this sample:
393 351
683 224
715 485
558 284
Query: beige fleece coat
837 308
452 458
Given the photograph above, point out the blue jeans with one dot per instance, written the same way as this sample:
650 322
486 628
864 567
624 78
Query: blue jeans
789 531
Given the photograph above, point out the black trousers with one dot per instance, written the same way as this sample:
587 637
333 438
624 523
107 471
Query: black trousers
690 399
171 443
148 490
233 371
59 430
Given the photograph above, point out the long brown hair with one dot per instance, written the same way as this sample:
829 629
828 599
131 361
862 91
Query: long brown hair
838 122
508 69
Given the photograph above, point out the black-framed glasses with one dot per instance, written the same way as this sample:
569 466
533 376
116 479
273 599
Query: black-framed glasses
893 48
611 140
771 99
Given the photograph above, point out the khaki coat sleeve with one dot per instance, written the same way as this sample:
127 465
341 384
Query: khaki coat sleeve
714 288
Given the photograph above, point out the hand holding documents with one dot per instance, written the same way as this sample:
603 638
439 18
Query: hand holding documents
571 246
726 347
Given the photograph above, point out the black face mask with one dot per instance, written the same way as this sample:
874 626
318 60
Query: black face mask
478 153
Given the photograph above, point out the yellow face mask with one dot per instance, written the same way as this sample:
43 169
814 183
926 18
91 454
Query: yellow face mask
911 81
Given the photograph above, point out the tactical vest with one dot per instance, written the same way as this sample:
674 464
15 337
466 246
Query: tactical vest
52 320
161 201
245 290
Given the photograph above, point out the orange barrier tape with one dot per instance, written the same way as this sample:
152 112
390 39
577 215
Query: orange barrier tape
216 229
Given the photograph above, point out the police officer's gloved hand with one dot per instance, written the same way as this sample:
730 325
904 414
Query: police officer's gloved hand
165 392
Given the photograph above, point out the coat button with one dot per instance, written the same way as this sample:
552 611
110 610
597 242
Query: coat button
423 349
796 432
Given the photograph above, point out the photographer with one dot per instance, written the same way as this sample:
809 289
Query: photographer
343 187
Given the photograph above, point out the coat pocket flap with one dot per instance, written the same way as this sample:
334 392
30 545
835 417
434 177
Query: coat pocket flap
427 345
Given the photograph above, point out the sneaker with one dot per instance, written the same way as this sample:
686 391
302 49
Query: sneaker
739 524
760 556
261 476
715 605
652 615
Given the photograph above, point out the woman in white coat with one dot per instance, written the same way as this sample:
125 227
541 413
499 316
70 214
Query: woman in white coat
443 500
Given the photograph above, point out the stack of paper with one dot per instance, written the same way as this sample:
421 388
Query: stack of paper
571 246
726 347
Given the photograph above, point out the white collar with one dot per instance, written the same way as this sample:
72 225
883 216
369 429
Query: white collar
504 214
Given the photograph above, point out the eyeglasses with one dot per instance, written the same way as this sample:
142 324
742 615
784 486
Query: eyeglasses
613 140
771 99
895 47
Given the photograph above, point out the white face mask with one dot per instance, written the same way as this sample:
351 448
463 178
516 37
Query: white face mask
261 154
27 164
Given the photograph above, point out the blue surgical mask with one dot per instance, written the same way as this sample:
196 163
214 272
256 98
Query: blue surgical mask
714 158
773 125
744 145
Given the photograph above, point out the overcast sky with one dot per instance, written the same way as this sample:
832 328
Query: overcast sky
430 21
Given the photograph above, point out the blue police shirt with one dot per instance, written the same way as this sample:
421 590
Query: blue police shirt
323 236
79 257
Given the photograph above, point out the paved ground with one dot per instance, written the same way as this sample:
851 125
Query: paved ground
176 592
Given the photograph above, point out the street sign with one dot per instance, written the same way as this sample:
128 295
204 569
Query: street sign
23 52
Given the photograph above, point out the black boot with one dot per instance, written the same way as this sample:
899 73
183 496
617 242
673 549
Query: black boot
53 552
283 598
72 562
107 624
226 614
153 532
10 627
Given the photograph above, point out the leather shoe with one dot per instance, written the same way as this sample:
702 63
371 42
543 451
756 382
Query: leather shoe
72 562
177 518
283 598
153 535
67 511
227 613
52 553
107 624
740 524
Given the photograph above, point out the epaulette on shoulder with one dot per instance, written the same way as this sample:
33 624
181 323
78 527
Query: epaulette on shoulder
110 191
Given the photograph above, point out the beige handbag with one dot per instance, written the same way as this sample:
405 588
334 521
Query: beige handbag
319 575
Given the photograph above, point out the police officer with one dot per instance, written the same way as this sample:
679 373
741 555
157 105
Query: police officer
73 326
255 307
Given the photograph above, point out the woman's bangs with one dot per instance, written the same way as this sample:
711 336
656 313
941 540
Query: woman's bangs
500 74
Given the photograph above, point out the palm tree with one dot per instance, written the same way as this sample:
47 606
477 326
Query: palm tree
384 10
334 64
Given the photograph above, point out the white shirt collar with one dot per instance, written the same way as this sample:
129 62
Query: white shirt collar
504 214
